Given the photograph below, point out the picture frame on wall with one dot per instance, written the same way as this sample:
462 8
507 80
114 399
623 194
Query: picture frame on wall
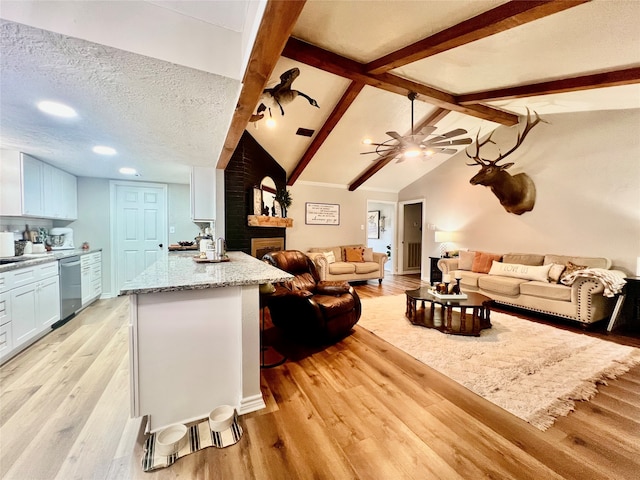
257 201
373 224
321 213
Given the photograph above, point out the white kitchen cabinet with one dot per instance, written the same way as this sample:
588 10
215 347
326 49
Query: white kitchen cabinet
203 194
48 301
24 317
86 287
32 188
29 306
69 196
6 339
90 277
60 194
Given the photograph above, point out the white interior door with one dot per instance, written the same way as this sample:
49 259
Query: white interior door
139 224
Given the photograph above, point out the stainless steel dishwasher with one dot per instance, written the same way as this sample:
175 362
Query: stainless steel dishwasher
70 289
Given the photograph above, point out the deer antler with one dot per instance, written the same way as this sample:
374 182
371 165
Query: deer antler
476 157
521 136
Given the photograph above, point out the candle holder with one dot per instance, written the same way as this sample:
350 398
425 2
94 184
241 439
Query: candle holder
456 288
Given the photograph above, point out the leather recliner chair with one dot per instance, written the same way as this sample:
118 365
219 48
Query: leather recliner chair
312 310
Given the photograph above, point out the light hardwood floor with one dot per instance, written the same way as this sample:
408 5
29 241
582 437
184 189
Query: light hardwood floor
358 409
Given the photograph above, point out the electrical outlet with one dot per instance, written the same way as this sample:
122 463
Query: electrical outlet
361 227
172 229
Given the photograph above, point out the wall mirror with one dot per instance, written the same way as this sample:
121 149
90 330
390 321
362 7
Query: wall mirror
268 187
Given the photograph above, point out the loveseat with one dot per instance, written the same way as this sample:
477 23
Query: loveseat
535 282
350 263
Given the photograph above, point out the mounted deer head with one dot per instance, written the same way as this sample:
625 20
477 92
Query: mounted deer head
517 193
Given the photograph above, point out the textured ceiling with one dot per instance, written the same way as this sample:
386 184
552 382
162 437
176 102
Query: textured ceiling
158 115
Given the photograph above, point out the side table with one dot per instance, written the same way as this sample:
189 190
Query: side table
269 356
627 309
435 275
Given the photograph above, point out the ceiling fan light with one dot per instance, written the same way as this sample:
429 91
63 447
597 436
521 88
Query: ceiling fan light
412 152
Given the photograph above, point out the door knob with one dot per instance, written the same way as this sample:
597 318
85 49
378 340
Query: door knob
160 245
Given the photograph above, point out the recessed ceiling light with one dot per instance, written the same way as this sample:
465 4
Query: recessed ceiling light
367 141
128 171
57 109
103 150
271 123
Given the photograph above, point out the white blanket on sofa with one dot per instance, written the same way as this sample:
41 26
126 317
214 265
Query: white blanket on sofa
612 280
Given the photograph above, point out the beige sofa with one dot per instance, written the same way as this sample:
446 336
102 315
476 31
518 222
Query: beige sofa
583 301
369 267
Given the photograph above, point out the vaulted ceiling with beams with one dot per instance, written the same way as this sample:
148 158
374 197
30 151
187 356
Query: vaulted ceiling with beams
474 65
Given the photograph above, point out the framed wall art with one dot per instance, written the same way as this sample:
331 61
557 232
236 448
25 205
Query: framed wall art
322 214
373 224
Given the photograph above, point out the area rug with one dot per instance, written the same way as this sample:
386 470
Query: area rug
533 371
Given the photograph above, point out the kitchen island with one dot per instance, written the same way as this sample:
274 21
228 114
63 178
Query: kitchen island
194 336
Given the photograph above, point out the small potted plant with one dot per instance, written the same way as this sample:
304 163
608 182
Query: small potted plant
283 197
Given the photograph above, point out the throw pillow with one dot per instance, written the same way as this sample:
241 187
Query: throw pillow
465 261
570 268
555 272
354 254
517 270
482 261
330 256
367 255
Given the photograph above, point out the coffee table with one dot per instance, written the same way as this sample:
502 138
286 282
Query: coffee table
445 318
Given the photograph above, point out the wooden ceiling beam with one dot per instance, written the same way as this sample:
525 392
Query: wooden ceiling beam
331 62
379 164
340 109
276 26
499 19
614 78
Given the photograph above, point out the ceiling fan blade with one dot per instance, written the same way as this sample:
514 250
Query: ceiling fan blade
395 135
426 131
399 138
454 133
445 143
448 151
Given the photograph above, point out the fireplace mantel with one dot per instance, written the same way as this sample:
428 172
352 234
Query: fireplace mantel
266 221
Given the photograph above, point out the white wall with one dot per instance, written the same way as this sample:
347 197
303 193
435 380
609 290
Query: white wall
586 168
179 214
353 216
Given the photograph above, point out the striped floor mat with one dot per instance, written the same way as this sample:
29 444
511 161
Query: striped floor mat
200 436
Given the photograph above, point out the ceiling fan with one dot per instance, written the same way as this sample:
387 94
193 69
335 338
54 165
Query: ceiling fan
422 143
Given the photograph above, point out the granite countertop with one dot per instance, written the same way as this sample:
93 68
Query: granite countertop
178 271
30 260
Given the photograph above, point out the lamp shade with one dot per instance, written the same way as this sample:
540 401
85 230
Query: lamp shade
443 237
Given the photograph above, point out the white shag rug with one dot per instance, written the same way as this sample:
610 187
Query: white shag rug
533 371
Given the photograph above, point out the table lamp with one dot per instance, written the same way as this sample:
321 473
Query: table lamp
443 238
